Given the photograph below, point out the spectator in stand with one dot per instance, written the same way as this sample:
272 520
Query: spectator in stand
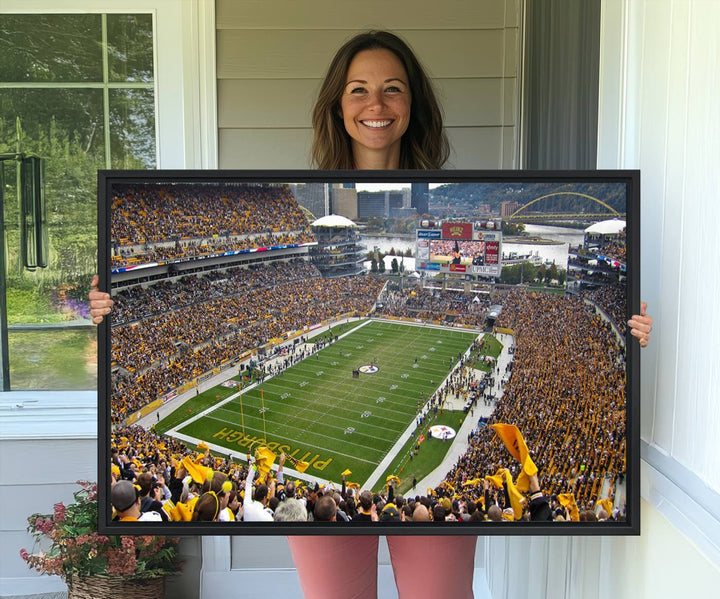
125 498
255 505
291 510
325 509
207 508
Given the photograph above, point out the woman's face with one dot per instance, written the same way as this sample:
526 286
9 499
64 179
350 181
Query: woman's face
375 107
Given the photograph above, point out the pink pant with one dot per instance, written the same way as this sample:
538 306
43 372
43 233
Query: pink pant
346 567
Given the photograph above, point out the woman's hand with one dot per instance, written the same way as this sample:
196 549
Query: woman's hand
641 325
100 302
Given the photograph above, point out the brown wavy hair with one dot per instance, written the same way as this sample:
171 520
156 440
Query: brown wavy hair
423 146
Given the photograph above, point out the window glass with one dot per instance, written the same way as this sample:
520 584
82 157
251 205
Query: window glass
130 45
42 359
37 48
132 128
58 102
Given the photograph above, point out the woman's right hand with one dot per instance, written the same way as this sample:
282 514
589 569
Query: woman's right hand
100 302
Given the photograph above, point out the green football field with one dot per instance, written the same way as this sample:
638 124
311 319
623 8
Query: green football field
317 412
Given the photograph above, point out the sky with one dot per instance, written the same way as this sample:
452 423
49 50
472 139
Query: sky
386 186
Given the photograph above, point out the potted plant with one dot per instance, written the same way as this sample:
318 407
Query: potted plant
67 544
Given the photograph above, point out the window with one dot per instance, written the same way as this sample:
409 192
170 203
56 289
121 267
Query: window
77 90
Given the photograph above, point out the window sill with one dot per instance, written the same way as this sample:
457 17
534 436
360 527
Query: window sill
683 498
48 415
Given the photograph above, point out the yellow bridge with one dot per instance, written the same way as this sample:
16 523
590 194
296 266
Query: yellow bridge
521 213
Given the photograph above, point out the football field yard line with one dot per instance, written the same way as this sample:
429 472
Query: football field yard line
282 419
312 402
259 432
290 426
321 402
284 405
315 407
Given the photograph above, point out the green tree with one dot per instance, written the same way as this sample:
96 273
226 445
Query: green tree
552 273
394 265
373 265
510 275
517 273
71 199
512 228
541 271
529 272
381 266
374 224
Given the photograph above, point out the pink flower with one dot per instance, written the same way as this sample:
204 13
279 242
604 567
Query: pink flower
59 512
121 562
90 488
54 566
128 543
43 526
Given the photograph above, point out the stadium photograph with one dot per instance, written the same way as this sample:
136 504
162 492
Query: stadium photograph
258 370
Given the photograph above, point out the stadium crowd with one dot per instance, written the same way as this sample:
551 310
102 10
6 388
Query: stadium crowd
612 300
175 483
434 305
565 393
164 222
614 247
139 302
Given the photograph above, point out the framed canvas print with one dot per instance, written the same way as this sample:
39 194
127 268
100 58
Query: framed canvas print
369 352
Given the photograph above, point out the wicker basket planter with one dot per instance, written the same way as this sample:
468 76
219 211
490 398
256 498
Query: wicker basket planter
116 587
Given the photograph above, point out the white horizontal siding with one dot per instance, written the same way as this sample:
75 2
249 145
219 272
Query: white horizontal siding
380 14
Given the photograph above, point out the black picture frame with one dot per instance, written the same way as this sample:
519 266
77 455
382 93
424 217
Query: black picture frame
628 180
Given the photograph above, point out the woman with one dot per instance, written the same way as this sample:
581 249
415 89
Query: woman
363 119
376 109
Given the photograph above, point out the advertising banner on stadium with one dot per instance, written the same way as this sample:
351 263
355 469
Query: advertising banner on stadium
428 234
427 266
453 268
423 250
204 377
169 396
489 270
457 231
492 252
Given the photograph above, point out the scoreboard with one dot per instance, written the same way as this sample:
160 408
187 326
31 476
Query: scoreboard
472 248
